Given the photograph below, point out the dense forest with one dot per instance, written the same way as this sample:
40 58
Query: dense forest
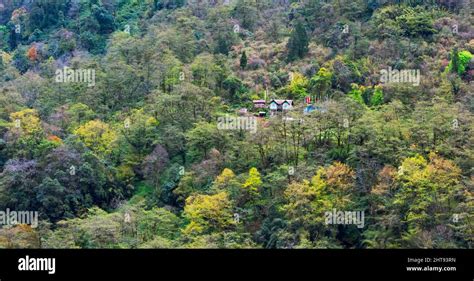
237 123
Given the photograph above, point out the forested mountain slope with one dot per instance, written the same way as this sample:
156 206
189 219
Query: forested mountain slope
237 123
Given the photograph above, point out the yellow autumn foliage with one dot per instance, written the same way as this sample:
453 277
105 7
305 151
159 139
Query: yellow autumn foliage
98 136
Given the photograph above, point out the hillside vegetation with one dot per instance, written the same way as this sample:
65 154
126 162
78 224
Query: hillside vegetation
137 123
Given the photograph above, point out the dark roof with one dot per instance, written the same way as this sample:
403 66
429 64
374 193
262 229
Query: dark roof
280 102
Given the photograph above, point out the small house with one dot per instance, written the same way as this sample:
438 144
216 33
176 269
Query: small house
259 103
243 111
281 105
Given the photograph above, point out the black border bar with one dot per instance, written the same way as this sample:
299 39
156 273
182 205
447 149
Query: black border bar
240 264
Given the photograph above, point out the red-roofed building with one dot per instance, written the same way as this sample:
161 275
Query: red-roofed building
259 103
